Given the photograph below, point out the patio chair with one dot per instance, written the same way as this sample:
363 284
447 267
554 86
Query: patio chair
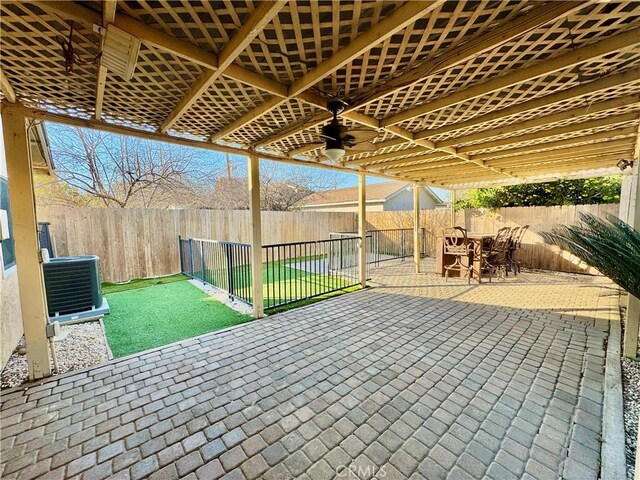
494 257
513 237
456 244
514 245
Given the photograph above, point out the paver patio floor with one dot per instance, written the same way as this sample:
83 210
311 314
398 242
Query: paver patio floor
416 378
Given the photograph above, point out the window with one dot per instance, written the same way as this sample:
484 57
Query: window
8 247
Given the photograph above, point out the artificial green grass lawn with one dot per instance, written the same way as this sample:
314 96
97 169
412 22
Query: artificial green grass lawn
309 301
282 282
144 318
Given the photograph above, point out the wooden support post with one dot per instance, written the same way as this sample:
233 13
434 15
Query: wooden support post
453 208
256 235
25 237
630 213
362 227
417 244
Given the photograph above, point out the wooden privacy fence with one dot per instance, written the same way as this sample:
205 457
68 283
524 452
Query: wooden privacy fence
534 254
134 243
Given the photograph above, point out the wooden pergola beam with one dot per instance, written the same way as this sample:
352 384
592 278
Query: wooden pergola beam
428 158
483 43
616 145
516 128
546 67
567 130
39 114
530 180
458 179
623 132
389 26
108 15
523 170
264 13
425 166
394 142
578 91
384 156
569 166
7 90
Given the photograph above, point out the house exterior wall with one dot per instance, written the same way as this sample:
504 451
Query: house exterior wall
10 312
404 201
401 201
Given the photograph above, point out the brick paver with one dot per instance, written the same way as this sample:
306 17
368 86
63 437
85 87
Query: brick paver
417 378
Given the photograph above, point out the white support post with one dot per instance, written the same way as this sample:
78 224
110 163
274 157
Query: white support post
453 208
417 244
362 227
25 237
630 213
256 235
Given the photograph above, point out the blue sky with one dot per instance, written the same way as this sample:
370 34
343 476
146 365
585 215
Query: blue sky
209 160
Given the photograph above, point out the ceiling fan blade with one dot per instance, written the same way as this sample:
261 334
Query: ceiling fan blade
363 147
361 135
322 135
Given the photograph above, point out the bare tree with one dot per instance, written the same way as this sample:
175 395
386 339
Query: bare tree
99 168
121 171
281 187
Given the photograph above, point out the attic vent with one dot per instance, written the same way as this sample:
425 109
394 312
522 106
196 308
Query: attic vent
120 52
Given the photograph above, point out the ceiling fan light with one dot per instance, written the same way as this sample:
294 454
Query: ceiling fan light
334 154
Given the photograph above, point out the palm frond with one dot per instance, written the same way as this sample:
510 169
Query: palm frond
609 245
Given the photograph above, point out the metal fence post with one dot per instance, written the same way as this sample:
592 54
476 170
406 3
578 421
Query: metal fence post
230 267
202 259
191 255
180 252
402 241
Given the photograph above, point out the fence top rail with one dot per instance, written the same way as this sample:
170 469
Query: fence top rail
222 242
310 242
378 230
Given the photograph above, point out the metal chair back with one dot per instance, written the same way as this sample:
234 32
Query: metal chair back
521 232
513 237
499 242
455 241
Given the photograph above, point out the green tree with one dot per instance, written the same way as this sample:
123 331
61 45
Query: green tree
561 192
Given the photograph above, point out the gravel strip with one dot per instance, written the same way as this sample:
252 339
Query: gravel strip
77 346
631 398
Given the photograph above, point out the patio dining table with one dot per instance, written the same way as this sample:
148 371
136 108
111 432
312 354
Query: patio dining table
477 240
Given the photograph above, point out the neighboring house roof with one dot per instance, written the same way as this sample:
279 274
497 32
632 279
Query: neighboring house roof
378 192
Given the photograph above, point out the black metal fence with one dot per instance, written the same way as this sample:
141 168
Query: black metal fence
389 244
301 270
291 272
225 265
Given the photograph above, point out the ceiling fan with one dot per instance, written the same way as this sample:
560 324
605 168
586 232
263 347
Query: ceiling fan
338 139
